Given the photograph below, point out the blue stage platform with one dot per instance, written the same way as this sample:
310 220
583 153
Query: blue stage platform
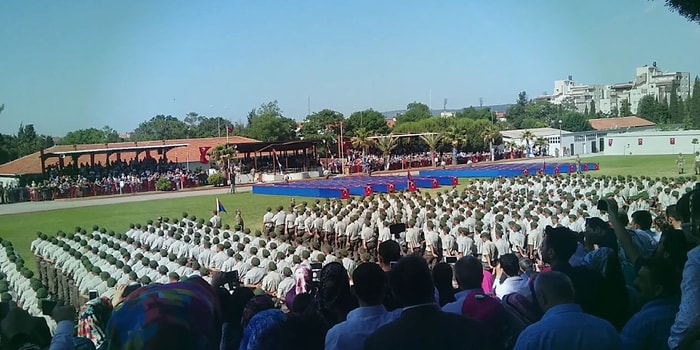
508 170
353 186
344 187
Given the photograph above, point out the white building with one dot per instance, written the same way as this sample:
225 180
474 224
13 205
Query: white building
649 80
652 142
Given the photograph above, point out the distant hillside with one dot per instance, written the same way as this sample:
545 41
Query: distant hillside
494 108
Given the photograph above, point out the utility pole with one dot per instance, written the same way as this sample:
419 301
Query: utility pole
308 105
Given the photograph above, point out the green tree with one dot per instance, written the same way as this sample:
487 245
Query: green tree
527 136
160 127
614 112
415 111
661 113
647 108
362 140
386 144
490 135
474 113
575 122
455 137
625 108
568 105
192 119
28 141
592 110
210 127
690 9
322 125
432 140
693 105
372 121
675 114
268 124
523 99
222 155
90 136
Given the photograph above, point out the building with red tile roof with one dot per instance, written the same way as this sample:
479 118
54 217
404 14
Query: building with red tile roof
619 123
180 150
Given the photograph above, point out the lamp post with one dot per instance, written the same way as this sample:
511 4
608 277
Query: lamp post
560 140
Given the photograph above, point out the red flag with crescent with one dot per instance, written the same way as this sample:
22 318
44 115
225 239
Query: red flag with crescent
203 155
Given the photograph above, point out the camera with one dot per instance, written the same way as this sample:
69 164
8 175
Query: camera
92 294
392 264
316 272
397 229
47 306
602 205
450 259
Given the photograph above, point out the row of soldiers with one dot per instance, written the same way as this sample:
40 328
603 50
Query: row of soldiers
680 163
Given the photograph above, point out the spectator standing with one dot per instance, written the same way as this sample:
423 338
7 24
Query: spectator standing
370 286
422 325
564 324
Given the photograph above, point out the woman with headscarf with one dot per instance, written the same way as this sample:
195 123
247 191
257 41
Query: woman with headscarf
334 300
93 320
302 284
182 315
262 330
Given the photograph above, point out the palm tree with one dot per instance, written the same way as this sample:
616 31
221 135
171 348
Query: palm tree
542 143
455 137
222 155
490 134
362 141
527 136
432 140
386 144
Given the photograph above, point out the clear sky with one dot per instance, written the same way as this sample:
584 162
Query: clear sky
88 63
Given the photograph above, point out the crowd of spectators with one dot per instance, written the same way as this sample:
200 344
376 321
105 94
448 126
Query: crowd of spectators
535 262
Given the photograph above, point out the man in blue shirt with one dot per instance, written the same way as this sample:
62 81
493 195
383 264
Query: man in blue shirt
370 286
564 325
658 283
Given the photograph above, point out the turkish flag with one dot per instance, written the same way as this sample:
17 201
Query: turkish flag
673 140
229 129
640 142
610 142
203 155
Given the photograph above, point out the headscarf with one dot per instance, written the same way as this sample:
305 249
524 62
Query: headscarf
302 274
254 334
334 298
255 305
183 315
93 320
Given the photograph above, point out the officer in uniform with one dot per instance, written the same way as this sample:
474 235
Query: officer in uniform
697 163
680 162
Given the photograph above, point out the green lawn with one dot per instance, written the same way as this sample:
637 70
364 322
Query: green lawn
21 228
656 166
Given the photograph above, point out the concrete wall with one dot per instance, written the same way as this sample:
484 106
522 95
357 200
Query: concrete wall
652 142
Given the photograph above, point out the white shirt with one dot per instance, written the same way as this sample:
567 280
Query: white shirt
516 284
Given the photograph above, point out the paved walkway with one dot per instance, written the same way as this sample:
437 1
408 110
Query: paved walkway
32 207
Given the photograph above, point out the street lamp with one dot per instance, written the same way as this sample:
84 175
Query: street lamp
560 140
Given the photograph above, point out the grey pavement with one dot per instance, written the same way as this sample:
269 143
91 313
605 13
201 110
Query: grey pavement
31 207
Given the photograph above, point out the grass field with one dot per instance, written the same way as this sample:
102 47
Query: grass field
21 228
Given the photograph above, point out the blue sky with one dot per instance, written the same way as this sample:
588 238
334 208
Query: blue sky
88 63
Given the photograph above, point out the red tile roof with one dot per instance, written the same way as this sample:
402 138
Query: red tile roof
31 164
619 123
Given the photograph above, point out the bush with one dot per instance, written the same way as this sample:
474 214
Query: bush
164 184
215 179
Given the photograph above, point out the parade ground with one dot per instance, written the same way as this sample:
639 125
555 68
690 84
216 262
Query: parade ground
19 222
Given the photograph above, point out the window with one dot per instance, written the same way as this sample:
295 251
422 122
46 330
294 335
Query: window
579 138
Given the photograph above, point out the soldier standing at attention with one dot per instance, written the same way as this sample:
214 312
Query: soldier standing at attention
680 162
697 163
